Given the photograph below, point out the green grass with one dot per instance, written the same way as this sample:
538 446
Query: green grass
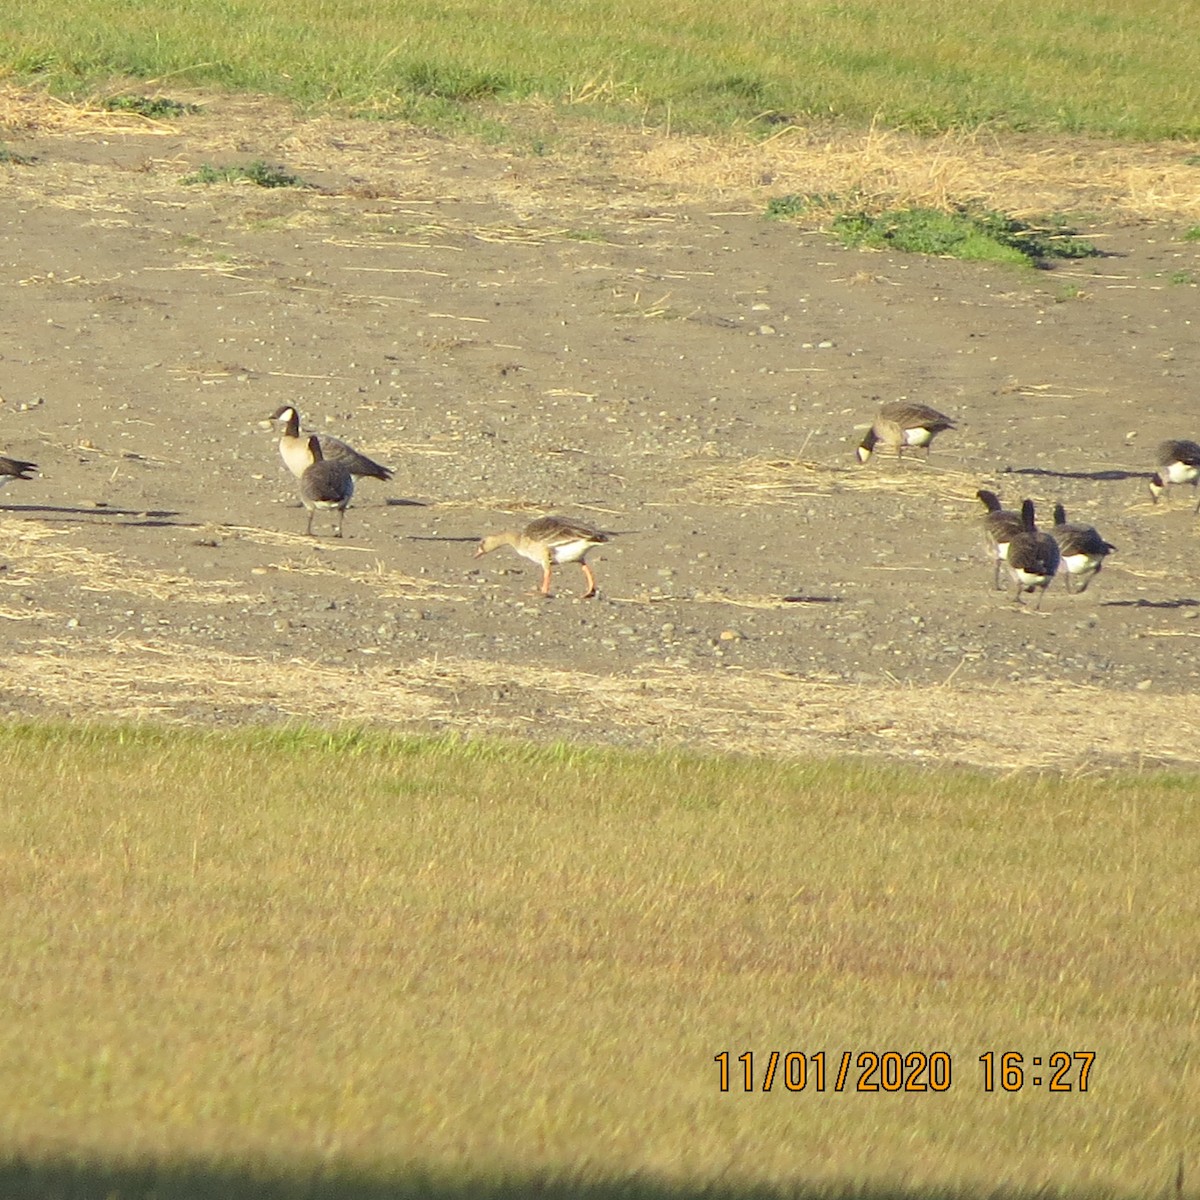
301 963
1112 67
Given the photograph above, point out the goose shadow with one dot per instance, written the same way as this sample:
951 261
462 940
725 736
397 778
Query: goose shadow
1110 475
99 511
1182 603
429 537
146 518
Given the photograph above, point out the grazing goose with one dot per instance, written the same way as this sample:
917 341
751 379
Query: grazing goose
901 424
293 448
326 484
999 527
1178 462
15 468
550 540
1032 557
1083 550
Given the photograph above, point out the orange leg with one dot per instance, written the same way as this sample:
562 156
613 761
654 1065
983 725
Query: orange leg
546 580
591 582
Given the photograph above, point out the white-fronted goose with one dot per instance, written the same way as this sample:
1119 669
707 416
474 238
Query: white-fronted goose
1032 557
1083 550
1177 462
900 425
293 448
326 485
550 540
1000 526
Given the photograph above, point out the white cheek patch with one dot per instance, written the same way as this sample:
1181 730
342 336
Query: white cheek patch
295 456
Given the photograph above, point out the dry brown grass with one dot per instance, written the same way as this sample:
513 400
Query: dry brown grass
761 481
33 551
24 112
1021 175
1048 726
883 168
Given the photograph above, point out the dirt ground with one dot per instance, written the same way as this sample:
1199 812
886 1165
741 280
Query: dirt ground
616 333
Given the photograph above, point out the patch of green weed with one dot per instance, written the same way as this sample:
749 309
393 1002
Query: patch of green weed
154 107
259 173
797 204
13 159
457 83
960 233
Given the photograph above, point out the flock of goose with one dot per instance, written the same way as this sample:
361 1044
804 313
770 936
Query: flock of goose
1031 556
326 468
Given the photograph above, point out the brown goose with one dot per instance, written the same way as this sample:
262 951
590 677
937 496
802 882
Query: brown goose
1083 550
293 448
15 468
1000 526
326 485
1032 557
900 425
1177 462
550 540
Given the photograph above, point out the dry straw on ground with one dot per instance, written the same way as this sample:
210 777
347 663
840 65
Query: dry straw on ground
758 481
1023 175
1053 726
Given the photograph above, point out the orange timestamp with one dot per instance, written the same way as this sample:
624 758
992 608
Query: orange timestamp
1061 1070
868 1071
897 1071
